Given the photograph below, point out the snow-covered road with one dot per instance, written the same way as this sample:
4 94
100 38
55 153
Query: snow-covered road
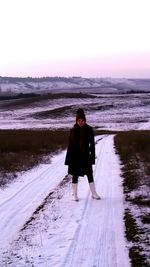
20 200
99 237
88 233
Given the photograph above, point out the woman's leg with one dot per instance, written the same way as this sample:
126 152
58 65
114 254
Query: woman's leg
75 179
75 187
90 178
92 186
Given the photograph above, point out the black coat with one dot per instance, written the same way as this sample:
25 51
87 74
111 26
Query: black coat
81 150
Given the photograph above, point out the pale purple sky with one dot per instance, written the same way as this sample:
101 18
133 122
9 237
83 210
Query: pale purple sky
89 38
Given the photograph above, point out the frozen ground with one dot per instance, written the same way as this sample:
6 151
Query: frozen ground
39 224
62 232
112 112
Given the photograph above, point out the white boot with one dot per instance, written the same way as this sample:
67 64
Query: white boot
93 191
74 190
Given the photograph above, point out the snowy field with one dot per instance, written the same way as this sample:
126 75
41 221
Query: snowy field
112 112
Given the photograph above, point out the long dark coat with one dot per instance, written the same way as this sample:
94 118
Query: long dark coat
81 151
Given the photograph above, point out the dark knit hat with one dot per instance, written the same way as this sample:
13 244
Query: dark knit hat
80 115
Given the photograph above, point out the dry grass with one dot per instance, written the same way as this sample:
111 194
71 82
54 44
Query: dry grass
23 149
133 148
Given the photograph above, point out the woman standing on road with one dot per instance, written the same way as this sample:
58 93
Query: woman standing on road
81 154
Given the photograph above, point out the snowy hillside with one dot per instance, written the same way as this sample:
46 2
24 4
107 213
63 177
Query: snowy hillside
105 111
10 85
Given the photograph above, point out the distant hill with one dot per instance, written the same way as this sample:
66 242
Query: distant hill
28 85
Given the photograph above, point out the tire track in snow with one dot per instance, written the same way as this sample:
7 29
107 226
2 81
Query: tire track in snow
73 246
24 188
19 207
95 242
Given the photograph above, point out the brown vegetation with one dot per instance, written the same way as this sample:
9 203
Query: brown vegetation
134 150
23 149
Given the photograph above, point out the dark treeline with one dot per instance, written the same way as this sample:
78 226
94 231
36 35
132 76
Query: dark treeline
46 96
18 96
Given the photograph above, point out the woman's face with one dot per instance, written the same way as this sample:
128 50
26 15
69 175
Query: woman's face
81 122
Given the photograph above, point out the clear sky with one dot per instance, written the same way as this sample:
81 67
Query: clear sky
89 38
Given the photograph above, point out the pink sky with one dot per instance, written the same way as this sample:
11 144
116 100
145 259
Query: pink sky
128 65
92 38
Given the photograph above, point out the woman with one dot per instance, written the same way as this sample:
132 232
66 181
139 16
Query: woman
81 153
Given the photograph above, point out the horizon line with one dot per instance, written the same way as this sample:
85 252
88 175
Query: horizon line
76 76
